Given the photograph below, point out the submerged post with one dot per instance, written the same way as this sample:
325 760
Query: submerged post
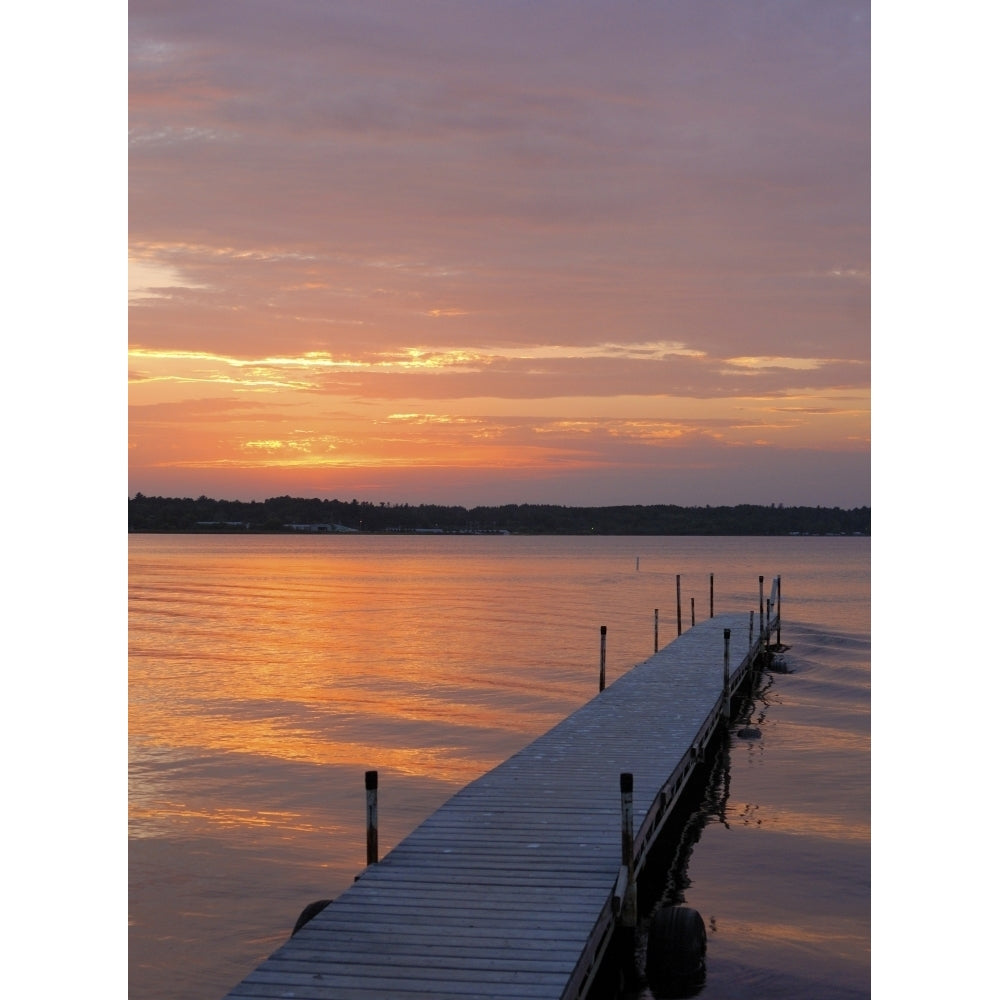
371 794
711 595
604 646
656 630
678 604
725 676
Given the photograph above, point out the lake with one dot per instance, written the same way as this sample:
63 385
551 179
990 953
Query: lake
268 673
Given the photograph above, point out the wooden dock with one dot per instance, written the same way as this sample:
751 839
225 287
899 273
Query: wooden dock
514 887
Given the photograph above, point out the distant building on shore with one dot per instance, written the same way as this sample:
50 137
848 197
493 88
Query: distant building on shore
323 528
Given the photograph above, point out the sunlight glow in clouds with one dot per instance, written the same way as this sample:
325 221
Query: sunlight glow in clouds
497 253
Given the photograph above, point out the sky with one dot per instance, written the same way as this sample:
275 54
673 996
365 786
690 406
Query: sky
494 252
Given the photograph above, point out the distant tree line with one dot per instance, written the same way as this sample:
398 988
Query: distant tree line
291 514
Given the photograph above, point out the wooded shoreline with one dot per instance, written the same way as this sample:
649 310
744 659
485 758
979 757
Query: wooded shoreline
289 515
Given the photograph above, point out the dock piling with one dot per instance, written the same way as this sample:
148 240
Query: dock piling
726 692
779 611
656 630
628 913
371 795
604 648
679 603
711 595
629 910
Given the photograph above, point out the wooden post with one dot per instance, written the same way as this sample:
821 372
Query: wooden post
779 611
656 630
629 912
604 646
725 676
768 618
751 632
371 794
711 595
761 581
678 604
692 612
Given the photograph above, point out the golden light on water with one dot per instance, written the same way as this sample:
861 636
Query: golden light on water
798 823
165 819
267 664
276 741
826 935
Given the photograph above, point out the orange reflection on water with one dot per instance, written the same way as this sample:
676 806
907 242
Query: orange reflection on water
326 657
795 823
836 936
824 739
271 738
149 820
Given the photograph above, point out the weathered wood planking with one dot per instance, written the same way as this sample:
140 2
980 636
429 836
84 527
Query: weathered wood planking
507 890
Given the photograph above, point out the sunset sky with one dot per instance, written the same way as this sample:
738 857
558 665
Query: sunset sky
493 251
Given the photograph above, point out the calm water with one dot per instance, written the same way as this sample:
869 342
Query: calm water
267 674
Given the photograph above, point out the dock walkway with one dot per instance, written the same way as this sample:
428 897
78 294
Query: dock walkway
511 889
